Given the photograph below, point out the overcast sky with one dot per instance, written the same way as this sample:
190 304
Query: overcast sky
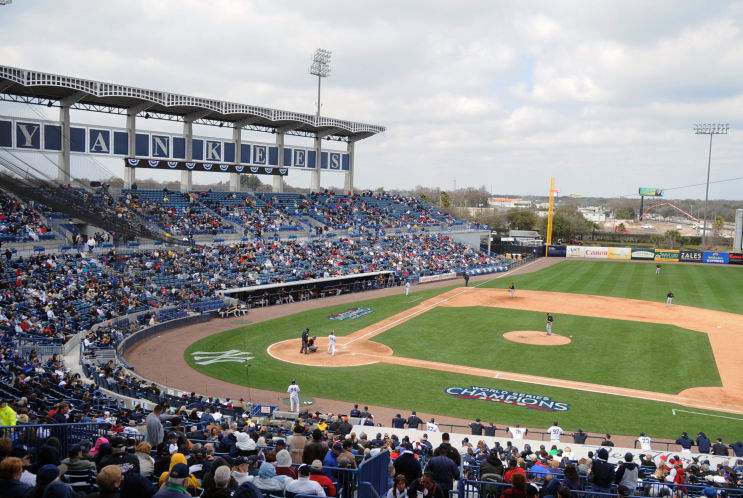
601 95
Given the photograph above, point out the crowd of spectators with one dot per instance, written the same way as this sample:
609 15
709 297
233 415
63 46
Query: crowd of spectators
21 221
59 295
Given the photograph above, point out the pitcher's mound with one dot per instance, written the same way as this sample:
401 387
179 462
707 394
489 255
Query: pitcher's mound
535 338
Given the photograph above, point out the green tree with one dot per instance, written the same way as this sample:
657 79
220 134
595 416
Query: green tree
444 200
625 213
673 236
521 219
718 225
250 182
568 223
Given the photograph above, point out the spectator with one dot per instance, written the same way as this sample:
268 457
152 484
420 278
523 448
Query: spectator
189 481
7 414
223 484
513 469
119 456
304 485
268 481
296 444
74 461
399 489
442 469
627 474
447 449
703 443
315 450
146 462
685 442
428 486
241 469
476 428
406 463
607 441
11 470
601 476
317 474
109 482
155 431
492 466
176 482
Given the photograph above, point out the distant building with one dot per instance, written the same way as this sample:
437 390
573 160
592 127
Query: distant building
509 202
593 213
524 237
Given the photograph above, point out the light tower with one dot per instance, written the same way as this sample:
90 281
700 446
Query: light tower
709 129
320 67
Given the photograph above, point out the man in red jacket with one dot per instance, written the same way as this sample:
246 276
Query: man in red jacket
316 474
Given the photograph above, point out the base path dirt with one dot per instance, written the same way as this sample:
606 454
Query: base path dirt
534 338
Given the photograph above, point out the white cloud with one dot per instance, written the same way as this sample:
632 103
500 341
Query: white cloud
600 94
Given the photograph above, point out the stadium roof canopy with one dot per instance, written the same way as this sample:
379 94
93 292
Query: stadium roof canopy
35 87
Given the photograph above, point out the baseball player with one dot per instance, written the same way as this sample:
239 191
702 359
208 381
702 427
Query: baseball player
407 288
550 320
657 269
293 391
331 343
512 290
669 298
644 441
555 431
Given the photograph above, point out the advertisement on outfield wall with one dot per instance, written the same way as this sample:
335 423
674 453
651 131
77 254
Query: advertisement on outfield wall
643 253
619 253
667 255
690 256
735 258
715 257
556 251
589 252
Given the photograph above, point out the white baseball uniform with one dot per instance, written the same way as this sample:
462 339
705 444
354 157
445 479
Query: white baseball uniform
407 288
644 443
293 391
331 344
517 432
555 432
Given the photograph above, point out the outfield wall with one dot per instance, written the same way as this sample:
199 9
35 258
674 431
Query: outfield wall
659 254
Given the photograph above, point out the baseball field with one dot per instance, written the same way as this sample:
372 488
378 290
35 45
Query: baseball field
620 359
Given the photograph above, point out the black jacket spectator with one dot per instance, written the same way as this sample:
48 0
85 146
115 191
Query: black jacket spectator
407 465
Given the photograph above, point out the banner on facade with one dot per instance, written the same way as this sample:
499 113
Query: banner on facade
667 255
643 253
690 256
619 253
720 258
130 162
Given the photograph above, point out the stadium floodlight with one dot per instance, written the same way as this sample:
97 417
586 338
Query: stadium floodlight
710 129
320 67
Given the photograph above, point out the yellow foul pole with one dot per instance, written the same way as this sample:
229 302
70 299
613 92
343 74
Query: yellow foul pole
550 213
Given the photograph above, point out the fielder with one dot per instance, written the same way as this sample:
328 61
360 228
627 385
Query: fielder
657 269
293 391
669 298
407 288
331 343
550 320
512 290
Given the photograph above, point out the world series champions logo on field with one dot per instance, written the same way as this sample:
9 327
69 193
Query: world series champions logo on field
531 401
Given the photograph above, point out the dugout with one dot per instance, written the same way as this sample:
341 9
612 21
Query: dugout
304 290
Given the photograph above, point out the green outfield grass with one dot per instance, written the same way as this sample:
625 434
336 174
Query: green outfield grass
705 286
410 388
603 351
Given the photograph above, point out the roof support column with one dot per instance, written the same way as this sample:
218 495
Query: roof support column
63 171
131 128
187 176
237 137
315 182
278 180
348 180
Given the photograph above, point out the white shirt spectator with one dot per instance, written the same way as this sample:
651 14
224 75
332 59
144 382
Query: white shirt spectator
305 486
432 427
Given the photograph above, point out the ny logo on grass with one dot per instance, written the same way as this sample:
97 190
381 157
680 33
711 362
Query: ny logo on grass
209 357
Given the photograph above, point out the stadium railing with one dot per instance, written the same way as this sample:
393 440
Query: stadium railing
34 436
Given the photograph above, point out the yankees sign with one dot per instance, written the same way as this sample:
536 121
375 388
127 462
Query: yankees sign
231 356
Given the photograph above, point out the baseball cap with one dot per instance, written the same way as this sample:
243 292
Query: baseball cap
179 471
304 470
316 464
47 474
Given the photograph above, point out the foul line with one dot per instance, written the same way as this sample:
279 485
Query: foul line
372 333
674 410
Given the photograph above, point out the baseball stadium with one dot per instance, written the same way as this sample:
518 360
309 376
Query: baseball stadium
165 336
